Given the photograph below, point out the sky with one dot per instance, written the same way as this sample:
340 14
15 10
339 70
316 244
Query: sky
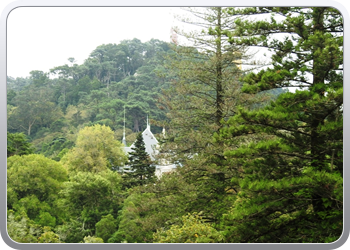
41 38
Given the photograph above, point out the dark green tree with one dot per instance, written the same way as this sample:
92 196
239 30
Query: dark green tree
17 144
203 93
141 169
106 227
291 190
87 197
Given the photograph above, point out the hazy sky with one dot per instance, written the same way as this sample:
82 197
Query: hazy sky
40 38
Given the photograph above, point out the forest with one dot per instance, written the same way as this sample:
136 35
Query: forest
258 143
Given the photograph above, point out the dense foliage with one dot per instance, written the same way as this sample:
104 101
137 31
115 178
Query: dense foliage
141 170
291 187
258 148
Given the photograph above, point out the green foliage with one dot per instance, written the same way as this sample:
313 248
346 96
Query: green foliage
45 219
48 236
193 230
141 170
72 231
21 229
261 163
291 182
150 207
32 206
34 109
35 175
17 144
91 239
129 228
56 148
106 227
89 196
95 150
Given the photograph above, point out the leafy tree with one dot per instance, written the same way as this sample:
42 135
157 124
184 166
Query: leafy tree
17 84
129 228
72 231
10 95
193 230
48 236
36 210
89 196
141 170
33 184
91 239
34 108
21 229
95 150
56 148
106 227
292 185
35 175
39 78
17 144
151 207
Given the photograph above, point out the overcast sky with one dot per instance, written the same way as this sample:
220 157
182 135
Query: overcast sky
40 38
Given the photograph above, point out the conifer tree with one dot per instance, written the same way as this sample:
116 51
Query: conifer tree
140 165
292 185
204 91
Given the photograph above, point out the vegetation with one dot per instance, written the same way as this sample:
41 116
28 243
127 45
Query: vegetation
95 150
140 167
258 148
293 178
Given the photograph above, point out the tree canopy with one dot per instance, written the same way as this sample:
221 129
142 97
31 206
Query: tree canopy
95 150
293 178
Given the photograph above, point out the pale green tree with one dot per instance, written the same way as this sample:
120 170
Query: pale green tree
34 175
193 230
91 239
95 150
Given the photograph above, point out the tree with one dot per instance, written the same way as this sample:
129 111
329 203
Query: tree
91 239
106 227
21 229
95 150
130 229
48 236
35 175
292 185
141 168
152 207
34 108
39 78
33 184
193 230
204 92
205 83
89 196
17 144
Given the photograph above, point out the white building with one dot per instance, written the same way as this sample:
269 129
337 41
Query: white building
152 146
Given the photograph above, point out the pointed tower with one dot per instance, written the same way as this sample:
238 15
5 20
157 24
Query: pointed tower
124 140
148 125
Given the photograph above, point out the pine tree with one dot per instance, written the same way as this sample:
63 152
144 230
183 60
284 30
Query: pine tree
204 92
204 87
292 185
141 169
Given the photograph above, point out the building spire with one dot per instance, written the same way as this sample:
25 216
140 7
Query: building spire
148 125
124 140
